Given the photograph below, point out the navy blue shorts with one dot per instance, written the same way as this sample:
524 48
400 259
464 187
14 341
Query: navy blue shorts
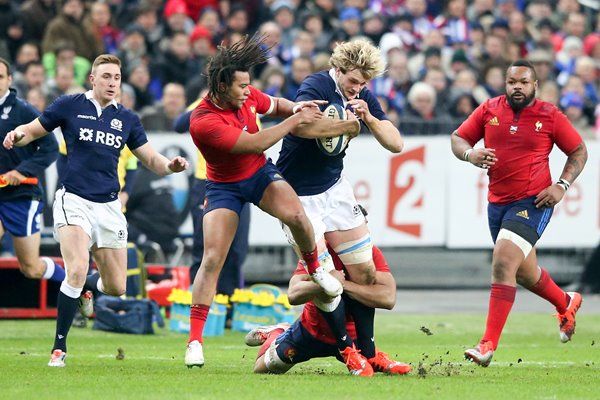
21 217
296 345
233 195
520 217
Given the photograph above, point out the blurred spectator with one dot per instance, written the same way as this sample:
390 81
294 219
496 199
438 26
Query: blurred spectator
422 24
63 83
283 12
272 81
236 21
161 116
133 49
437 78
494 51
543 61
106 34
462 104
34 76
466 81
453 23
127 96
139 79
543 32
176 65
538 10
420 116
302 66
549 91
37 98
209 18
277 55
574 26
566 57
29 51
493 80
586 68
202 49
69 25
37 14
320 30
64 54
373 25
519 32
176 19
146 18
572 105
12 33
350 21
304 45
500 28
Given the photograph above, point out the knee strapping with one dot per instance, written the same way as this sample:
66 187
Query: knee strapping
521 243
356 251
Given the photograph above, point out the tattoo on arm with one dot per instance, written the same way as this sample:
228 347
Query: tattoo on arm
575 163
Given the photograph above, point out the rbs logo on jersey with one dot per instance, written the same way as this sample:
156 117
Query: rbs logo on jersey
105 138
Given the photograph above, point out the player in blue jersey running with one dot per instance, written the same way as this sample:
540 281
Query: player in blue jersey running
87 212
326 195
21 205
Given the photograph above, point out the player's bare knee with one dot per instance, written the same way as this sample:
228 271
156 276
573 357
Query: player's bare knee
295 218
113 290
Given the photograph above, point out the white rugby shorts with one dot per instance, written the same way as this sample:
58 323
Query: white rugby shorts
104 223
336 209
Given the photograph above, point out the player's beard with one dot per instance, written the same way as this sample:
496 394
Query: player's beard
518 105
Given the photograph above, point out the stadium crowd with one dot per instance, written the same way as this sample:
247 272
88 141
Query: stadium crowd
443 58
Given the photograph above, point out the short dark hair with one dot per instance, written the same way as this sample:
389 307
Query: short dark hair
526 64
241 56
8 71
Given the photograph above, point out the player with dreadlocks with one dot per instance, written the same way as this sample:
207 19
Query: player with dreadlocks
225 130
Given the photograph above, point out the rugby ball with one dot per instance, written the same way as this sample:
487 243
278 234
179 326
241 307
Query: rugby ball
334 145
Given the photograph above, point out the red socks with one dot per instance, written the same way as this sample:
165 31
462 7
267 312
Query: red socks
547 289
502 298
198 314
311 258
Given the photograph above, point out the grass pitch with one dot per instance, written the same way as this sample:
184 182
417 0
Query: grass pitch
531 363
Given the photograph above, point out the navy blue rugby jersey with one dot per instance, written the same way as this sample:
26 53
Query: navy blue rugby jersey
303 165
94 139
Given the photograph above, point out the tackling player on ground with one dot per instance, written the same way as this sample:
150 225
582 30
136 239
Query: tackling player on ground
283 346
87 212
519 133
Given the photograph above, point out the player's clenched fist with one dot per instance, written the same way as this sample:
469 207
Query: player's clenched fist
177 164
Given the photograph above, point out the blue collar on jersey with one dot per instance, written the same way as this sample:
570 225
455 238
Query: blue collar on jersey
90 96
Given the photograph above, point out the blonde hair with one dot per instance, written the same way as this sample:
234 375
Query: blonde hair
105 59
360 55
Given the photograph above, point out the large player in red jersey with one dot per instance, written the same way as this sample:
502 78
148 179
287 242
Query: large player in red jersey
224 128
519 132
309 337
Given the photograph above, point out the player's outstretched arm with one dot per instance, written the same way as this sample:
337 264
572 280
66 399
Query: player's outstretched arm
22 135
158 163
265 138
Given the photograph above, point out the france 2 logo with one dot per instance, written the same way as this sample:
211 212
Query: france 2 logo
405 210
116 124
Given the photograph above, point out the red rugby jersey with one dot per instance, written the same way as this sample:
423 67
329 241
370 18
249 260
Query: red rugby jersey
312 319
522 141
215 131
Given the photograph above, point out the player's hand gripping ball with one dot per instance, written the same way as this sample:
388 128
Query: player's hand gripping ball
334 145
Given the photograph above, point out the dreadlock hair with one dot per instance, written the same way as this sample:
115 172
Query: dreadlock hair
241 56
